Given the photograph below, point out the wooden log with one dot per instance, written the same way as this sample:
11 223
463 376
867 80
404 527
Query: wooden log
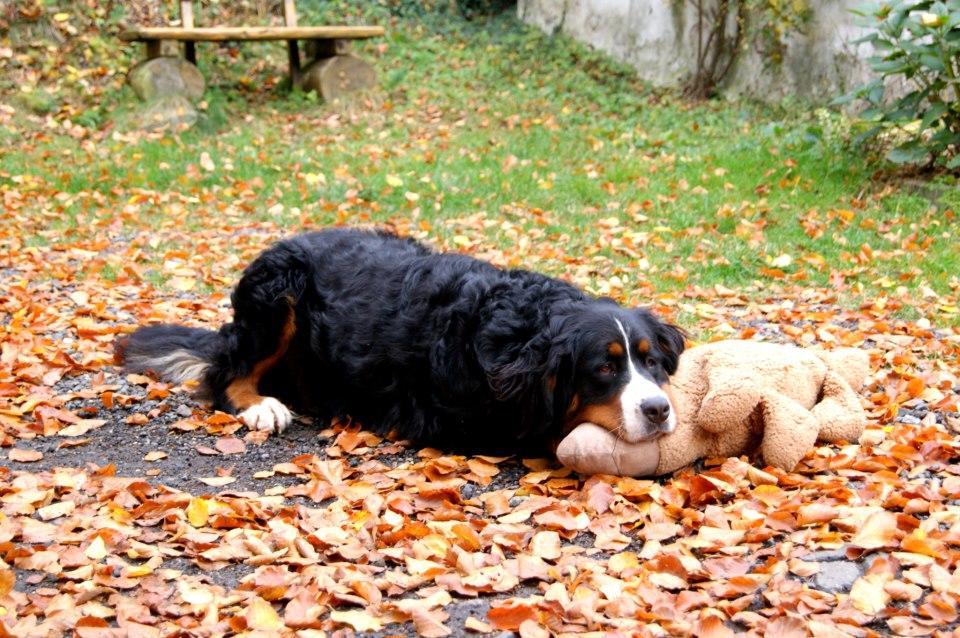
223 34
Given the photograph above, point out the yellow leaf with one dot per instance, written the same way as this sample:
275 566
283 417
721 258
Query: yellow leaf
356 618
879 530
200 595
623 561
868 594
394 181
138 571
97 549
546 545
183 284
261 615
198 511
782 261
61 17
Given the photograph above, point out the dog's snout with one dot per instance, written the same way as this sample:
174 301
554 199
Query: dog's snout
656 410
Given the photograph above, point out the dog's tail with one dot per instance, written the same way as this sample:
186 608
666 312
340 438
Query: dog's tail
174 353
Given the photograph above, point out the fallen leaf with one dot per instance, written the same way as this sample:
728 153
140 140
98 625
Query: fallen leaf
24 456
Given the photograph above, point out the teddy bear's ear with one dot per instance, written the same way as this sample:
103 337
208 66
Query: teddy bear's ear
672 341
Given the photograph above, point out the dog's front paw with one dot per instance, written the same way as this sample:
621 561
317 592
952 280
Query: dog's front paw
269 415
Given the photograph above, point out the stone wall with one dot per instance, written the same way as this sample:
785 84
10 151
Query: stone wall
658 38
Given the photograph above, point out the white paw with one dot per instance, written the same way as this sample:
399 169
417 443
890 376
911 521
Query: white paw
269 415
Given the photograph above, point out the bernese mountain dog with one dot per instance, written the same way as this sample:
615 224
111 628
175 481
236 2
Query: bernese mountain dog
444 349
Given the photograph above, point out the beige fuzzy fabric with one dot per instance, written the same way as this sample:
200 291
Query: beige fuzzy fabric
734 397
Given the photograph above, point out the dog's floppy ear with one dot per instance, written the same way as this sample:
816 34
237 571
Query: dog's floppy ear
538 373
511 361
671 339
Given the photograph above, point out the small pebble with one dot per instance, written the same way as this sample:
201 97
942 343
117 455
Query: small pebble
837 576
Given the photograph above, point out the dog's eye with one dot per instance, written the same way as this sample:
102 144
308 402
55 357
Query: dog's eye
605 368
651 363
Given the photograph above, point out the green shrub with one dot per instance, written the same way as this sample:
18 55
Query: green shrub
917 45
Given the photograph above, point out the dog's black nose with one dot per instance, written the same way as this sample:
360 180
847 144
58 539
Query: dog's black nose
656 410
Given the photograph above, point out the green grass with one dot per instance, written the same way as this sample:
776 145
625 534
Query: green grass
717 191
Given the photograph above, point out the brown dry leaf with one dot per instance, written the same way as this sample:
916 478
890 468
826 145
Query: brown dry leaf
429 623
879 530
712 626
359 619
24 456
230 445
786 627
478 626
217 481
533 629
546 545
7 580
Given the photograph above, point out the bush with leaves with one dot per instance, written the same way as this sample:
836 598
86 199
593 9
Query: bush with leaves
917 44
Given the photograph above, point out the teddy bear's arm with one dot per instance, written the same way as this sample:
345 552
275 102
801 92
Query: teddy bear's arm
728 403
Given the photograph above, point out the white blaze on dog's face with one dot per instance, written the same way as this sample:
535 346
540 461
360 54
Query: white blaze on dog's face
647 412
623 375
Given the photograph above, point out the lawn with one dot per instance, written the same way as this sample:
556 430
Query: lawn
493 135
126 505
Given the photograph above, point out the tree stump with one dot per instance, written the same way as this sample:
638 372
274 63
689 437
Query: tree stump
164 76
338 75
169 86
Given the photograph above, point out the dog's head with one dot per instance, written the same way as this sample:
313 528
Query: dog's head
620 376
603 364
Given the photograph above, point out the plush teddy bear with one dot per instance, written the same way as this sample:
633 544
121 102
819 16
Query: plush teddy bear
733 397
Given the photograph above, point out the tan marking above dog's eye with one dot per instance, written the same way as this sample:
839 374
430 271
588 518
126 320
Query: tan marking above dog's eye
643 346
615 349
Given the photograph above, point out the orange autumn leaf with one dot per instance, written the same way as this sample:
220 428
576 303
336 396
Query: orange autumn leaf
509 615
915 387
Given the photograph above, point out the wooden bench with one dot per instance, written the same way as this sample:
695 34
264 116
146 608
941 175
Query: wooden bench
328 40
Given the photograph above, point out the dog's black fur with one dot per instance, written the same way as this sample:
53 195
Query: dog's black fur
445 349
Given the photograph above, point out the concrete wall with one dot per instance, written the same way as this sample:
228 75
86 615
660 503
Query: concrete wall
658 38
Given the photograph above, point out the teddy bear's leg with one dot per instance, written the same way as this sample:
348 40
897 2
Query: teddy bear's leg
789 432
727 404
840 413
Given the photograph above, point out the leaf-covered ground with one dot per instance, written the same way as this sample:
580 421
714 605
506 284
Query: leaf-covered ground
128 509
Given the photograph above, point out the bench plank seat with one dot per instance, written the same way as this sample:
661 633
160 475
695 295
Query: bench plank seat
221 34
